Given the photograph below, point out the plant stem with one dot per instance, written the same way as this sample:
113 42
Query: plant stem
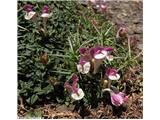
97 30
129 48
23 28
44 25
109 83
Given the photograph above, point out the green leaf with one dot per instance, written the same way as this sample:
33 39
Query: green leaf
34 98
37 89
67 103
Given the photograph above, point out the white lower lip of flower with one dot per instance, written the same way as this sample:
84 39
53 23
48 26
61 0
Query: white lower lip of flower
101 55
46 15
114 77
79 67
29 15
78 96
85 68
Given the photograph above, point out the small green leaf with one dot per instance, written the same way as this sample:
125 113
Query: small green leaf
67 103
34 98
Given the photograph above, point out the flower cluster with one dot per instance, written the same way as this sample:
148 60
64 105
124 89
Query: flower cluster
99 4
93 56
30 13
90 58
89 63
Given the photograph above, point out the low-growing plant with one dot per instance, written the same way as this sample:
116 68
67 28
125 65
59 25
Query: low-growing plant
68 52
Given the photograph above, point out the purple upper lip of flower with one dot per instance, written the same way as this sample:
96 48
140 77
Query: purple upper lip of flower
45 9
74 86
74 77
82 61
28 8
111 71
98 50
88 54
95 50
108 49
82 50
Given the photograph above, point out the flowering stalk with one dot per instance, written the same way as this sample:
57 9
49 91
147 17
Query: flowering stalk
76 93
45 15
84 64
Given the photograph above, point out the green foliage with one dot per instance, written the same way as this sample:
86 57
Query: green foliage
33 76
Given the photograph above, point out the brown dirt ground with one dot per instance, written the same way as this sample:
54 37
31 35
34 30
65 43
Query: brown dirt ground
131 15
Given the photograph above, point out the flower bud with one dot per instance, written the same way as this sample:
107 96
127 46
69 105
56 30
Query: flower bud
104 84
94 22
122 32
44 58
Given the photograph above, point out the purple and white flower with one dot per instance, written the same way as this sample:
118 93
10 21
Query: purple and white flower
93 56
99 4
45 12
119 98
112 74
99 54
76 92
29 12
83 66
